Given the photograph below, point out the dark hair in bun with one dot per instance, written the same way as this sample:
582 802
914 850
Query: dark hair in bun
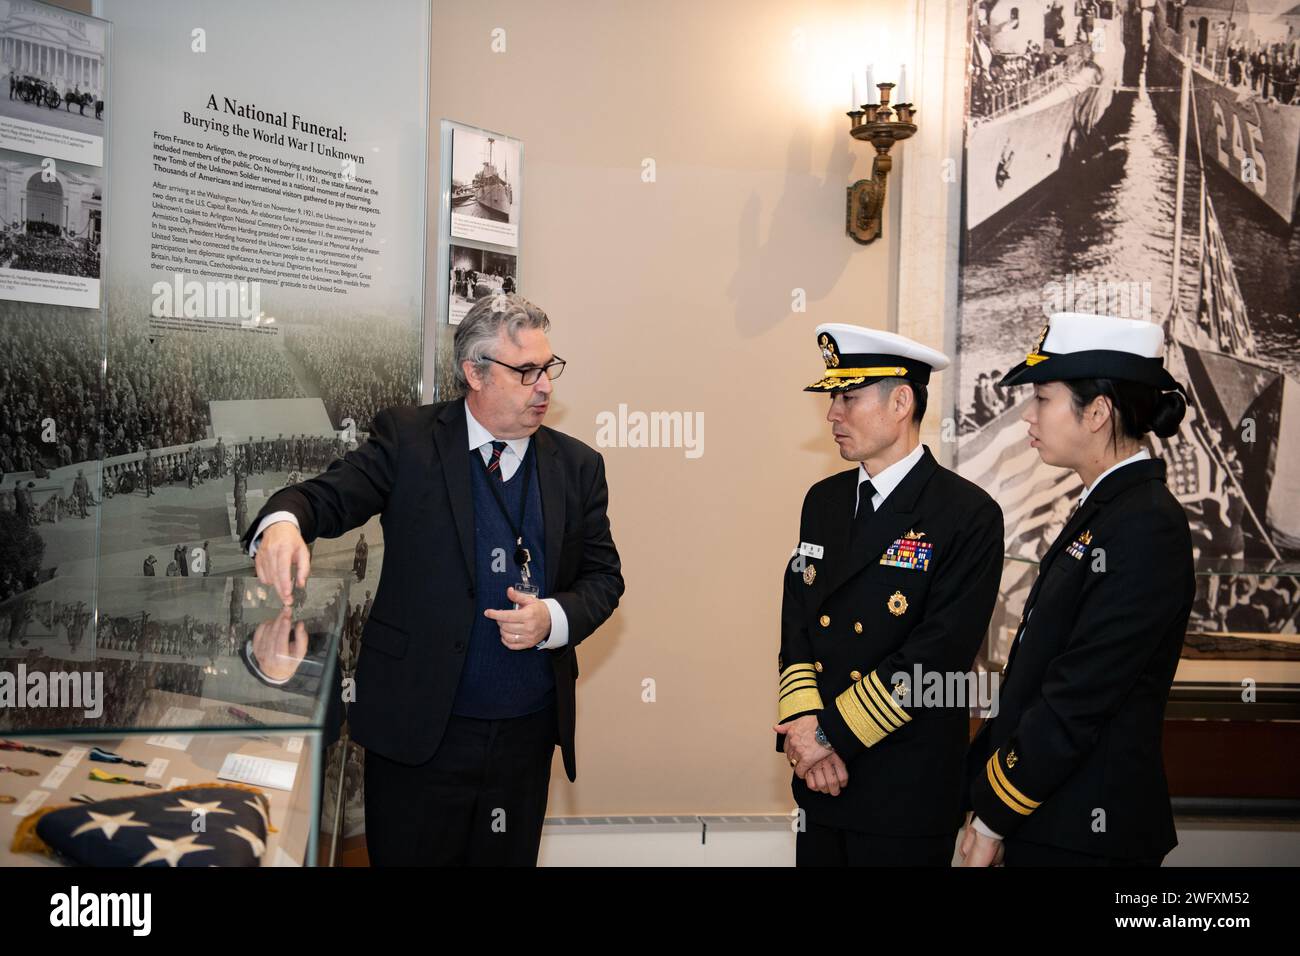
1168 414
1138 408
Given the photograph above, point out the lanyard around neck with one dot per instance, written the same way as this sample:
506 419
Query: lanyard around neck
522 557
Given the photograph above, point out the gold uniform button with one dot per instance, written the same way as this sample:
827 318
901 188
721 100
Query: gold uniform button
857 627
817 666
825 620
856 675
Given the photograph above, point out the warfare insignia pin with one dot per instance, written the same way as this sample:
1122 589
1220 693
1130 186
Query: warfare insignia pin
810 574
897 604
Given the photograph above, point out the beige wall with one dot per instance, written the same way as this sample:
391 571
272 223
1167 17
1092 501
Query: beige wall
676 295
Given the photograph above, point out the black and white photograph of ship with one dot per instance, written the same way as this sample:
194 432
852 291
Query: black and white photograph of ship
484 187
1043 77
1150 222
1243 55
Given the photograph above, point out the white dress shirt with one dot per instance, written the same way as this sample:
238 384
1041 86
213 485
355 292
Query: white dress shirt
511 458
888 479
1142 455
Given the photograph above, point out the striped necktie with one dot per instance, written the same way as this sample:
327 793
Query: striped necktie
494 466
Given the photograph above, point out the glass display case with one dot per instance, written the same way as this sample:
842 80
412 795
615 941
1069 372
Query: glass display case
175 682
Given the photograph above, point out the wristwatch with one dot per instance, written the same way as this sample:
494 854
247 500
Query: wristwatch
820 736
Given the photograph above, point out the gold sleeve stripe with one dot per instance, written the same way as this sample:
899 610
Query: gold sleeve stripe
798 691
892 705
857 718
792 675
879 712
1003 795
798 680
796 687
863 699
1007 793
1002 778
797 669
798 701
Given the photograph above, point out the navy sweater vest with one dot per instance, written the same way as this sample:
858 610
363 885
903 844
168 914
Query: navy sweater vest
497 682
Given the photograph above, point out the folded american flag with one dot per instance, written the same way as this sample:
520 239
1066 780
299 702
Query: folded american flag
213 824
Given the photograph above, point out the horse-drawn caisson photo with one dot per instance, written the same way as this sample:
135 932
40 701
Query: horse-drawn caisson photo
52 72
42 92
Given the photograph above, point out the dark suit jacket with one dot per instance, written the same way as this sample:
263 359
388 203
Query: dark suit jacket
851 623
413 471
1073 757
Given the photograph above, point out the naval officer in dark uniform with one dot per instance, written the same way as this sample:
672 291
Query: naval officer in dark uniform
1070 770
895 578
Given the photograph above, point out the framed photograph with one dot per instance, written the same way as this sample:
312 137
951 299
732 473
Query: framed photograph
476 273
479 215
51 230
485 193
55 73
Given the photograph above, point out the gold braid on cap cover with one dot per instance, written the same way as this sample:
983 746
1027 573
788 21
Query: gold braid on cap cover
876 371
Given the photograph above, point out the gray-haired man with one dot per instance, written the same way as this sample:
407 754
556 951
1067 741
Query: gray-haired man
498 562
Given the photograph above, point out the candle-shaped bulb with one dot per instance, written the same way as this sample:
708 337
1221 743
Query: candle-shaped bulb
900 88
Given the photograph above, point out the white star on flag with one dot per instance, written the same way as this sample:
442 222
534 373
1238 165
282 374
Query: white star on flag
172 850
109 824
253 839
261 810
189 806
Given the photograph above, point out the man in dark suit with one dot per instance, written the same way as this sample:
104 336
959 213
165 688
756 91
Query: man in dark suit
498 562
891 589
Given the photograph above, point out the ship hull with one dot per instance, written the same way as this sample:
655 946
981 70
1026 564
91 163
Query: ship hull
1008 156
495 198
1256 143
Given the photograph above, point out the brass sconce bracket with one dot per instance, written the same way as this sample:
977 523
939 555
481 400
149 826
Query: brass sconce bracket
874 123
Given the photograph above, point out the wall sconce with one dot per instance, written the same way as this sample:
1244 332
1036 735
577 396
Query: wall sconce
882 128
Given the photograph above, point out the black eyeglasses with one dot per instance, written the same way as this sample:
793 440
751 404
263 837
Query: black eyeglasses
529 374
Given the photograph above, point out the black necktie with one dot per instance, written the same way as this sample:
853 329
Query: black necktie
865 509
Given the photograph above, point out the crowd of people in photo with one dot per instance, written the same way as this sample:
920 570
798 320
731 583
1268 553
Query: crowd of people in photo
158 387
1002 80
49 373
359 366
1271 70
47 414
47 247
149 425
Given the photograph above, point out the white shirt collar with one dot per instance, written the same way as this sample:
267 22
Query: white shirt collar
890 477
1142 455
480 436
